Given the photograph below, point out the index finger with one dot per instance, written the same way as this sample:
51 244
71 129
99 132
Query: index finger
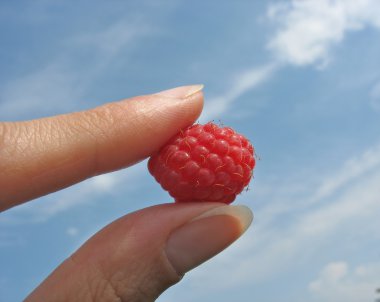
41 156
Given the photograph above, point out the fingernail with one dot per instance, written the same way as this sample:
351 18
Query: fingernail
181 92
206 235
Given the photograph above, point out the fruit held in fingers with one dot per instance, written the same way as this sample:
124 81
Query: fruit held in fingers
204 163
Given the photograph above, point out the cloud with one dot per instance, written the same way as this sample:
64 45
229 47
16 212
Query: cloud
306 33
331 274
308 30
336 282
110 41
351 170
243 83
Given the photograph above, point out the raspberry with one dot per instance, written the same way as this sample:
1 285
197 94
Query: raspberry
204 163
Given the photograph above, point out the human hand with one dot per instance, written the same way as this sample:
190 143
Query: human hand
138 256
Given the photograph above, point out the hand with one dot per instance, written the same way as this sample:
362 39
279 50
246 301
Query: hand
138 256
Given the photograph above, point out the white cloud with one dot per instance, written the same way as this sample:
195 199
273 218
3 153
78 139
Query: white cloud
331 274
337 283
352 169
309 29
243 82
306 33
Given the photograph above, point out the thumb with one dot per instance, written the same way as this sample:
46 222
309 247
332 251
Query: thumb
141 254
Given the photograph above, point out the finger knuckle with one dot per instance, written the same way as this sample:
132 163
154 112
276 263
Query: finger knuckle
96 286
13 139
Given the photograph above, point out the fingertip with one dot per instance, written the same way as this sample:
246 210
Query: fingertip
155 118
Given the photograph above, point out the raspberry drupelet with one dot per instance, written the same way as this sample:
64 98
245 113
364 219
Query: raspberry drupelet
204 163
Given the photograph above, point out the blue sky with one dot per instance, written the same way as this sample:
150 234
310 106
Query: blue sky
301 79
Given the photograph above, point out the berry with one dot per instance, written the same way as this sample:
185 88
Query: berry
204 163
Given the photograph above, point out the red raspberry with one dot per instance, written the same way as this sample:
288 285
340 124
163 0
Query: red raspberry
204 163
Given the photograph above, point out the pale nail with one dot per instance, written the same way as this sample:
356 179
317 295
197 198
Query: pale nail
181 92
206 235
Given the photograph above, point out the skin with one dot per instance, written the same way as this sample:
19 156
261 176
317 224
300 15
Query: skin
136 257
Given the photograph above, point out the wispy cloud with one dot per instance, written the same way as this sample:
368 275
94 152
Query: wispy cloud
351 170
330 274
242 83
308 30
338 282
306 33
109 42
